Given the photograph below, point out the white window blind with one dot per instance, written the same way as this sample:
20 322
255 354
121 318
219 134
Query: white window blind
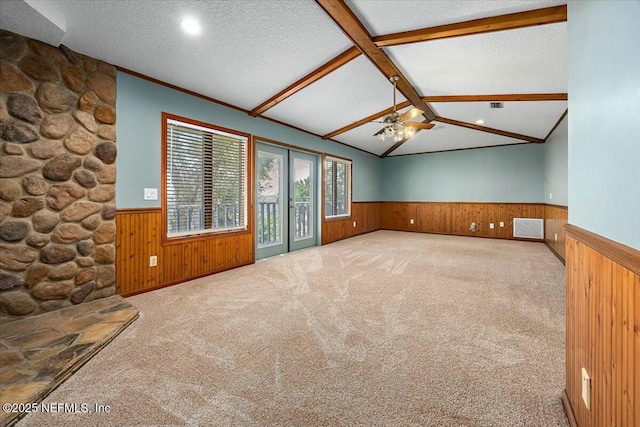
206 180
337 187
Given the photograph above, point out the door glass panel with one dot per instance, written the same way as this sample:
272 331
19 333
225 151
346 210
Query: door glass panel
270 208
303 198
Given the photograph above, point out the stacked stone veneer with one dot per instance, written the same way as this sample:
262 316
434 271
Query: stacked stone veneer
57 177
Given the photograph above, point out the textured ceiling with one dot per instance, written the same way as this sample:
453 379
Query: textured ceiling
247 48
526 60
528 118
354 91
445 137
250 50
16 16
392 16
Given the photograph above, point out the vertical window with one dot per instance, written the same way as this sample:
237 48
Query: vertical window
206 179
337 187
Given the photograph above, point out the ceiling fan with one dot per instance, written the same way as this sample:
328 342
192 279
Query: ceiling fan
397 126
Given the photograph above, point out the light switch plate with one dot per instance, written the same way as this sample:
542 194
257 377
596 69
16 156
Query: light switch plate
491 225
151 194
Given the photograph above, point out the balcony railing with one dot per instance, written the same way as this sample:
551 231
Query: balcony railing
269 219
268 223
185 218
302 219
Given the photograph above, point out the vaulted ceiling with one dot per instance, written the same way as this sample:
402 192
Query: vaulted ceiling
324 66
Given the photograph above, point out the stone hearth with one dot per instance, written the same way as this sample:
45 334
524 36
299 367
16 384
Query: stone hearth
40 352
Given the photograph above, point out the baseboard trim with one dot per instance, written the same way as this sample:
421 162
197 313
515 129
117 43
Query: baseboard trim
555 253
177 282
349 237
517 239
568 409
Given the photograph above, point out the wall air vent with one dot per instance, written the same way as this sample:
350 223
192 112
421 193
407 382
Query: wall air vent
497 105
528 228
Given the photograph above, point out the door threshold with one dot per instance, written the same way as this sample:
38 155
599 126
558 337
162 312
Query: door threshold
272 256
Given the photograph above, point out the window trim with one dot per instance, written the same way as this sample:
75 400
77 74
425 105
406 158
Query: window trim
207 234
326 218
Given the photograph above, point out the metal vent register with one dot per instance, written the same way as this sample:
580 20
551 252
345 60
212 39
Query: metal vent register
528 228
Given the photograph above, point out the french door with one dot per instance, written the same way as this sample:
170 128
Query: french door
286 197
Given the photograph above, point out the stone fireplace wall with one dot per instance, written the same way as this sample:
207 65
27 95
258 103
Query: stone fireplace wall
57 177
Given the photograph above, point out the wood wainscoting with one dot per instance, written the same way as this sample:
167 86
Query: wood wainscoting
603 330
138 238
455 217
555 218
366 215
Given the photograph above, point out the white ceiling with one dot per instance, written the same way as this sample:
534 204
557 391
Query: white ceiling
250 50
357 84
393 16
445 137
524 117
238 58
526 60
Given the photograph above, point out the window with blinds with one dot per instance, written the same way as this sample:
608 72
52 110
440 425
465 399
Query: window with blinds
206 180
337 187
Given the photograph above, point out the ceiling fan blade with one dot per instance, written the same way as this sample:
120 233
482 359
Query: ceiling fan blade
411 114
419 125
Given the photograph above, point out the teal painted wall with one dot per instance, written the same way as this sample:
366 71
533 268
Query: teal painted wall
139 107
604 129
499 174
556 163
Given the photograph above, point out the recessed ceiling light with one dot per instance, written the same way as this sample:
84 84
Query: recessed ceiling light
190 26
480 121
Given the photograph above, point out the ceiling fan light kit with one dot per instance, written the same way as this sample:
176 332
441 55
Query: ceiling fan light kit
397 127
393 130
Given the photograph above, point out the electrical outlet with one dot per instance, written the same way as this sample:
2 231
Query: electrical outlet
586 389
354 224
501 224
491 225
556 236
411 221
153 260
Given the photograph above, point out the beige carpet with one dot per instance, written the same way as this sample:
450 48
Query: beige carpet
384 329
